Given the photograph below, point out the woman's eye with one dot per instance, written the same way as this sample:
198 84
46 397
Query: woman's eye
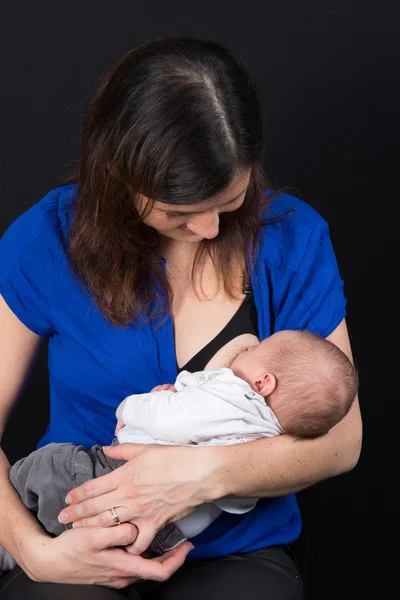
172 216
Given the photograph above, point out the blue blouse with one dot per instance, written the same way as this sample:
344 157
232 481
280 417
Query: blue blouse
94 365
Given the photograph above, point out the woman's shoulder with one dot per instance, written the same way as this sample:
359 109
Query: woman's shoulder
47 219
51 211
29 253
289 226
297 271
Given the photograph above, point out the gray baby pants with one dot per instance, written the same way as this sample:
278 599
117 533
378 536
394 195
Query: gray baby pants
44 478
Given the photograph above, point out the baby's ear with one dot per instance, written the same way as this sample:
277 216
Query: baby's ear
266 384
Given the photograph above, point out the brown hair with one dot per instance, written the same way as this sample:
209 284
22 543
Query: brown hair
175 120
316 381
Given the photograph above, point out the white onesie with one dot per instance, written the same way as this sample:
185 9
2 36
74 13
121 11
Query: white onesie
209 408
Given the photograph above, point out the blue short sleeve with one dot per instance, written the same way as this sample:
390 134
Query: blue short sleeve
28 254
308 291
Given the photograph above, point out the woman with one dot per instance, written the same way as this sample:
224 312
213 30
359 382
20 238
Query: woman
166 252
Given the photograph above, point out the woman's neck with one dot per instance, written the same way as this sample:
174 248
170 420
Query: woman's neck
178 253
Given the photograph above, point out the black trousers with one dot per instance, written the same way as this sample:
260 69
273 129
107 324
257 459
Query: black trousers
270 574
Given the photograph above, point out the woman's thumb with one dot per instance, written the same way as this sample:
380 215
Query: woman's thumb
123 451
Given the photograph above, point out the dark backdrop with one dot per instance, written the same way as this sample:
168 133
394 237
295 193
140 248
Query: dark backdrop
328 76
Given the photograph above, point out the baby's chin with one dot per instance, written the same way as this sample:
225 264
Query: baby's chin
241 351
234 359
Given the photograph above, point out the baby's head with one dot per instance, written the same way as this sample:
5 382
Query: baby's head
307 381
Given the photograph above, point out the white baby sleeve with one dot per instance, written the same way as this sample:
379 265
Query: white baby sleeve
190 416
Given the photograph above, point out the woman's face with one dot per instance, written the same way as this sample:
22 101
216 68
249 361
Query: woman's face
194 222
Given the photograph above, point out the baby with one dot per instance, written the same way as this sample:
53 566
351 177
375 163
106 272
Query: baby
293 382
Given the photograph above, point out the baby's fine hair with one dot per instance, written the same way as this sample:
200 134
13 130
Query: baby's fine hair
316 384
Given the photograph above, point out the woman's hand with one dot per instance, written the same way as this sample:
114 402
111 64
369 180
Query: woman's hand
94 556
158 485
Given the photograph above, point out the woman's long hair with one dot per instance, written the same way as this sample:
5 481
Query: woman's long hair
175 120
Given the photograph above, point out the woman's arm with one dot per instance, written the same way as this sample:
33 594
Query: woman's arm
81 556
18 349
160 484
283 465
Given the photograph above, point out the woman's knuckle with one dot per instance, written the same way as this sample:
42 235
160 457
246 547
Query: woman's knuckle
130 493
157 521
90 506
87 488
116 573
118 584
104 519
92 539
126 533
128 530
124 539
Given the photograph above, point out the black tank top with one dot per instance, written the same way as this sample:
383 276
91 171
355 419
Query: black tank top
243 321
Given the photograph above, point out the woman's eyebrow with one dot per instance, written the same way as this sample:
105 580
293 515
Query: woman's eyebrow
193 212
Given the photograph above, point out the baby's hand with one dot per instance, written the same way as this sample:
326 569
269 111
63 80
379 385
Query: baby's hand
166 386
120 425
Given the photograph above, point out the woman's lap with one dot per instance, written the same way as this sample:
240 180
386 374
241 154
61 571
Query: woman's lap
269 573
17 586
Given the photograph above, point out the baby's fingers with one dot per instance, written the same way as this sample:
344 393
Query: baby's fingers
162 388
120 425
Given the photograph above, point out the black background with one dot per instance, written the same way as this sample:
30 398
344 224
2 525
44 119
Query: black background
328 79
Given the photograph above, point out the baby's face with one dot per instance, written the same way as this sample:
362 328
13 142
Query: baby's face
248 362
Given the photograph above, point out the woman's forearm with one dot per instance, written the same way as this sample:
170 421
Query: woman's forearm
283 465
18 527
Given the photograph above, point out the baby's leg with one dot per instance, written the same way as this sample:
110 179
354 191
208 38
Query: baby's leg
43 479
199 520
6 561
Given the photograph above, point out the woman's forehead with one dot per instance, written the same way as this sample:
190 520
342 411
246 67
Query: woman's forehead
198 206
226 196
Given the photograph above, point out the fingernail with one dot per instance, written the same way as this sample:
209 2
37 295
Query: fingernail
190 549
62 517
75 525
68 499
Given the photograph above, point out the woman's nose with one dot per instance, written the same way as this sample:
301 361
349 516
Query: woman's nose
205 225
